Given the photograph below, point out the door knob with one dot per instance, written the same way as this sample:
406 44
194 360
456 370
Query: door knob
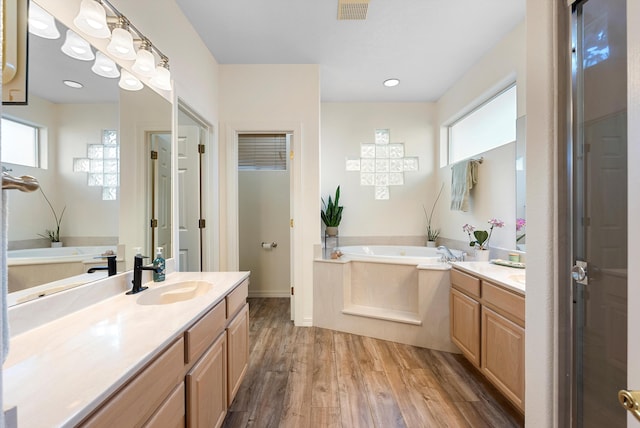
579 272
630 400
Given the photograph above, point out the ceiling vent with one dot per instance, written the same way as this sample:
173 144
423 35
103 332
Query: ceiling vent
352 9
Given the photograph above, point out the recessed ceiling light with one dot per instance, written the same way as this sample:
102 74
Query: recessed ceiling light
73 84
389 83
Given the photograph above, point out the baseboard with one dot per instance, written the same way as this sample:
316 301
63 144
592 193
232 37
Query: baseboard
269 294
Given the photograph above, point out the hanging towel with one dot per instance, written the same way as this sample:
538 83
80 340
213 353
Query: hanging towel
4 319
463 176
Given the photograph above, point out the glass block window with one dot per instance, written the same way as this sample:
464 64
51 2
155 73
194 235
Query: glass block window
102 165
382 164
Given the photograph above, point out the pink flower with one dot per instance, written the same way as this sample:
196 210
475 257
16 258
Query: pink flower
468 228
496 223
520 223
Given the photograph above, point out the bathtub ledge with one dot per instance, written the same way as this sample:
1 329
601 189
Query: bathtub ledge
437 266
383 314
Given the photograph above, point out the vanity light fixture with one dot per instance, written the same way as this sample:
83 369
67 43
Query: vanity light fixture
96 17
73 84
121 45
92 19
129 82
145 64
390 83
41 23
162 78
77 47
104 66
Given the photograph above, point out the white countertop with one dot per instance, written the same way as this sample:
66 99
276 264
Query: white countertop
511 278
59 372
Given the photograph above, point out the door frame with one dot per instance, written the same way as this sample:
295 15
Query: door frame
233 234
633 196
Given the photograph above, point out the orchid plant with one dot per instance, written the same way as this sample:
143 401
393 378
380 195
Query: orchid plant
520 224
482 237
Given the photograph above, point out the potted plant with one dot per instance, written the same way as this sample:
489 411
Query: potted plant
331 213
482 237
432 233
53 235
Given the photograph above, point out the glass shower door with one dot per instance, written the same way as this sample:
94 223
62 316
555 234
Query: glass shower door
599 200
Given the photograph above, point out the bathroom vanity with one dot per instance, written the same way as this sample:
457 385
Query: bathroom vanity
487 304
173 355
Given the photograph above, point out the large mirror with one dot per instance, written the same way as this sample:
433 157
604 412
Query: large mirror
521 185
94 169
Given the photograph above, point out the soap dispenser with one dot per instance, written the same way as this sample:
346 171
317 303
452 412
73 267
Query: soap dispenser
159 262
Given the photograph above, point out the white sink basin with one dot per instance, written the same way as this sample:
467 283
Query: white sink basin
176 292
520 279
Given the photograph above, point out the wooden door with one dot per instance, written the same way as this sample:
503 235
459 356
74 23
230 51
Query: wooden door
188 198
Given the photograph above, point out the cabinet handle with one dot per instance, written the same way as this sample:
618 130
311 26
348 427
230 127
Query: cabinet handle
630 400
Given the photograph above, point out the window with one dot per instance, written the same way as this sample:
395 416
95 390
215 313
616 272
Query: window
491 125
264 152
20 143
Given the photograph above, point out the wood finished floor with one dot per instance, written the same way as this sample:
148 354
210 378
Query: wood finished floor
312 377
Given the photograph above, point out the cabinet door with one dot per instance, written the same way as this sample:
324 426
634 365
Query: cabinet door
503 355
207 387
238 338
465 325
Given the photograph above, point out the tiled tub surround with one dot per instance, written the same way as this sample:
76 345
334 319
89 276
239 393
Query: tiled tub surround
63 364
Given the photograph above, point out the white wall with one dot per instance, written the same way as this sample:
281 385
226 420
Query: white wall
276 98
494 196
344 127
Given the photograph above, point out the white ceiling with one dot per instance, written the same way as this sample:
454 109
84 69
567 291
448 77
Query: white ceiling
427 44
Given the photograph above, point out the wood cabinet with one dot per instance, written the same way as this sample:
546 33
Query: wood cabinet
465 325
238 350
193 381
145 393
207 387
487 324
503 355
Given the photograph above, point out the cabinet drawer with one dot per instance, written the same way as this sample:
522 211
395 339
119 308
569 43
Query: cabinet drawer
465 283
172 412
137 401
204 331
510 304
237 298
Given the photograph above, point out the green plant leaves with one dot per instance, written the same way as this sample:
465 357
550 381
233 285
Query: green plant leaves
481 236
331 213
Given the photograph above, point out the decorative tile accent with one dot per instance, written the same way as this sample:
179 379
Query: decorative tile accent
103 164
382 164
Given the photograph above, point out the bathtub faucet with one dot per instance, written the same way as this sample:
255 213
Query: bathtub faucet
111 267
448 256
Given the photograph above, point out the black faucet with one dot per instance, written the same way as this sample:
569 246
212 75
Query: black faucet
137 274
111 265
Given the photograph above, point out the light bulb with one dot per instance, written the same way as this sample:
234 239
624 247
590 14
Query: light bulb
121 45
104 66
162 78
42 23
92 19
77 47
129 82
145 64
